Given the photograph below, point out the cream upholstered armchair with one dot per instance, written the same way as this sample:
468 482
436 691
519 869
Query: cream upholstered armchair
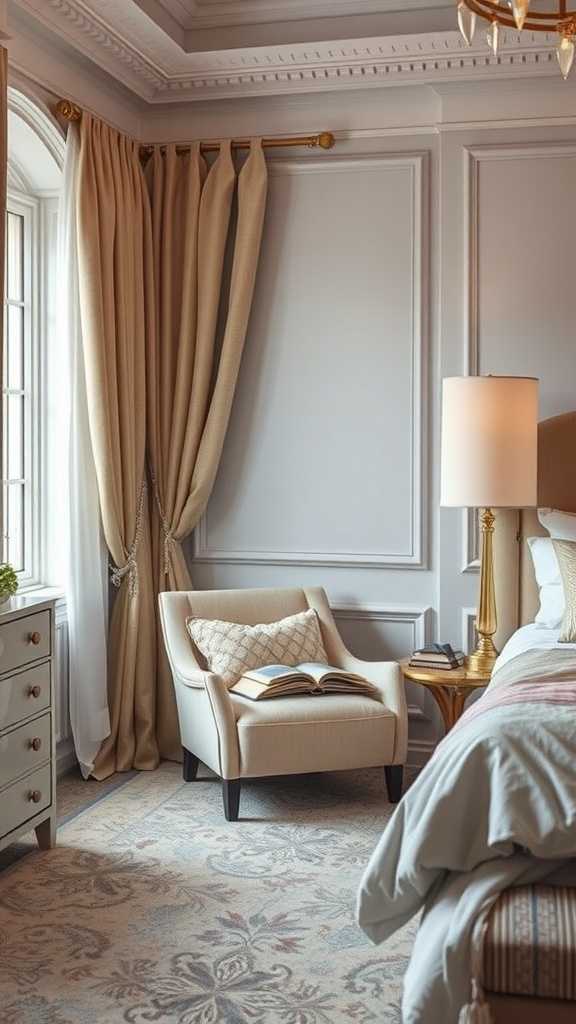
239 738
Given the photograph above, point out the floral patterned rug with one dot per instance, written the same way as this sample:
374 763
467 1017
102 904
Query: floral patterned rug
153 908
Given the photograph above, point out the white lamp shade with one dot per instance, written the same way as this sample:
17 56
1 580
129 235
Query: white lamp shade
489 442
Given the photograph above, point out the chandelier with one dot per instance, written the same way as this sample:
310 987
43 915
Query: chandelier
517 14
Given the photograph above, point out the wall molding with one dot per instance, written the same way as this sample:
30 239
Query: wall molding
470 541
159 70
473 157
468 629
416 557
419 752
420 617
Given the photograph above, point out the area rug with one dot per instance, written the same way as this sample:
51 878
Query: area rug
154 908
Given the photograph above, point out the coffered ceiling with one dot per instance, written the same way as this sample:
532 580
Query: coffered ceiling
219 24
169 51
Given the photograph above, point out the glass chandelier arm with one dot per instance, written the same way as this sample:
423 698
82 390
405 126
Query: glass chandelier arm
520 11
466 22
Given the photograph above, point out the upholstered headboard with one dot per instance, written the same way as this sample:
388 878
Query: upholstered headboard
516 590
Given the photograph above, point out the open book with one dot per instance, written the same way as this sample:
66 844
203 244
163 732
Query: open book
310 677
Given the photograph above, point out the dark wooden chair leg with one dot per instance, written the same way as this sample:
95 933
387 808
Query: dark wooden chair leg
189 766
231 797
394 775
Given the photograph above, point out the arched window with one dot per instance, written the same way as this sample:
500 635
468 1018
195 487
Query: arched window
35 160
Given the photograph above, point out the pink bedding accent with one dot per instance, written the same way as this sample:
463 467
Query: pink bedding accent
539 692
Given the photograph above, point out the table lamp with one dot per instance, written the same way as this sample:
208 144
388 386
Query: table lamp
489 460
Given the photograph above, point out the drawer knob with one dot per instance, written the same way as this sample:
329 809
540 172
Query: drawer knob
36 743
34 796
34 691
35 638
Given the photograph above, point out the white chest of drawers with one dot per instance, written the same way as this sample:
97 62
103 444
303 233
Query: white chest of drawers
27 756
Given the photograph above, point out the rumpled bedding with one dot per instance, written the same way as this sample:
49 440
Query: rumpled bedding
494 807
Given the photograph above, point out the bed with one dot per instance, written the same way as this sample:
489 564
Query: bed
487 879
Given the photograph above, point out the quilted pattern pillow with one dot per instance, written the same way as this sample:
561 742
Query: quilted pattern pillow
231 649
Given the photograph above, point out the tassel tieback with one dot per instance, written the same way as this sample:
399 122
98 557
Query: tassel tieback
169 538
130 567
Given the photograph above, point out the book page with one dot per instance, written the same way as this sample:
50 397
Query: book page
318 671
269 674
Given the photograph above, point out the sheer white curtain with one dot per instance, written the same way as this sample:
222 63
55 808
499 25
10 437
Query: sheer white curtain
86 582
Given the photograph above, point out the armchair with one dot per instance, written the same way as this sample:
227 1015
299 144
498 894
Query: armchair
239 738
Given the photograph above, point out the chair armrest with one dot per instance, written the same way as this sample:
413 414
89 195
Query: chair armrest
198 678
177 642
187 672
387 677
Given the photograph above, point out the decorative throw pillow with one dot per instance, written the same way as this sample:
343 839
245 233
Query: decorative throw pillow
549 580
566 555
560 525
230 649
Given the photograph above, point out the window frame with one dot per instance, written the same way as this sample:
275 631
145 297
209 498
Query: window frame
28 207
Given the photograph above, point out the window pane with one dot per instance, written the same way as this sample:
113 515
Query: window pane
15 522
15 432
15 347
14 257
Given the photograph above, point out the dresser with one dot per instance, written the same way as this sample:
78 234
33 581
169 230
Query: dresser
27 755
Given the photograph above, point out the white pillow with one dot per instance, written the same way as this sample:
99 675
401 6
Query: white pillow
549 580
232 649
560 525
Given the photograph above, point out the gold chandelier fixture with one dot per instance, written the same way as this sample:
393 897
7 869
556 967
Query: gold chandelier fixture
517 14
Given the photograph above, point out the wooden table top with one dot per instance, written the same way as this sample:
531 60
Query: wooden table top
443 677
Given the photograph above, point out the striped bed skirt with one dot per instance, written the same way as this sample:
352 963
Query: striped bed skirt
529 968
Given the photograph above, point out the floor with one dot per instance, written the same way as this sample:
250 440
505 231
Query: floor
153 907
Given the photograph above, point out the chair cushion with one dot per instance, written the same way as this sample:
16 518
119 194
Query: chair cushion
530 944
231 649
290 735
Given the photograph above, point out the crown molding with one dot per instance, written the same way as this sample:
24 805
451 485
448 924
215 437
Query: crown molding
158 71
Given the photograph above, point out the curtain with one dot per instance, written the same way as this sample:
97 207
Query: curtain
163 327
117 318
194 355
80 534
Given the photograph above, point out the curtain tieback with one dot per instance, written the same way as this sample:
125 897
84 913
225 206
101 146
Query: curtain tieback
169 538
130 567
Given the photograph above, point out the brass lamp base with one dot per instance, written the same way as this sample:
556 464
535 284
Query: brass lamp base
481 661
483 657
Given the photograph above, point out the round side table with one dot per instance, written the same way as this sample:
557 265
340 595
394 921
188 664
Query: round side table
450 688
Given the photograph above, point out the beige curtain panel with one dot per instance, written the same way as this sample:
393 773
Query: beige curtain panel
117 314
194 358
164 328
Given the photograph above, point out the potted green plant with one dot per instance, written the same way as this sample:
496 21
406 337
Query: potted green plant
8 582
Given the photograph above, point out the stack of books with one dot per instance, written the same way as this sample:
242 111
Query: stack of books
440 656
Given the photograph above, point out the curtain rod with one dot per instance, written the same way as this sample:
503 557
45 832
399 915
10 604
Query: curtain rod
324 140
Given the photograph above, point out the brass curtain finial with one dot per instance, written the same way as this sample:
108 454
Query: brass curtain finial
326 140
68 110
